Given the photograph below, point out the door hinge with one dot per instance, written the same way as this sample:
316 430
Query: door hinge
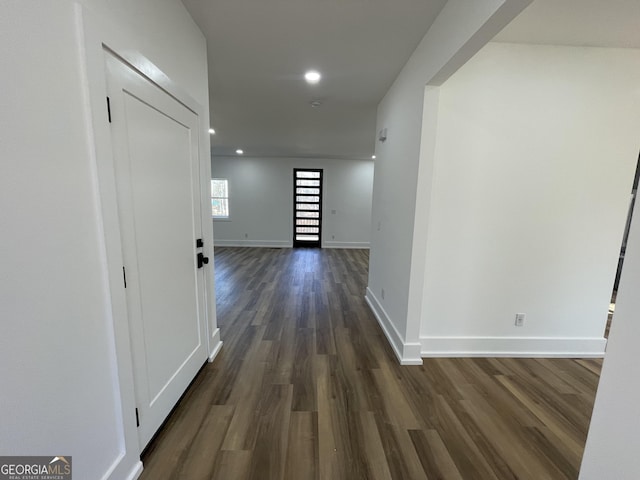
124 277
109 109
137 418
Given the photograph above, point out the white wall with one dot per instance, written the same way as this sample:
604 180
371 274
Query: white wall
58 370
261 201
613 442
396 267
535 155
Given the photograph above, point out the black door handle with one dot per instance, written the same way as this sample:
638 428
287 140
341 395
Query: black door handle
202 260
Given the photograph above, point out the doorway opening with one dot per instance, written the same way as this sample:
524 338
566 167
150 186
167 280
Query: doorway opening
307 207
623 248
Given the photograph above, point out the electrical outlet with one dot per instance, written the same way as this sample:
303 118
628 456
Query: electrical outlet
520 319
246 235
382 293
333 237
379 225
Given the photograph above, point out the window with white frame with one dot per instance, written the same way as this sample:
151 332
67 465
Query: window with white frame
219 198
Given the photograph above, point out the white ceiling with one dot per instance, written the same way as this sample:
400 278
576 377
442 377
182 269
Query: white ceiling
595 23
259 50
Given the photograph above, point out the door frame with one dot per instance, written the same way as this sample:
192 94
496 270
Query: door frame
309 244
131 92
97 35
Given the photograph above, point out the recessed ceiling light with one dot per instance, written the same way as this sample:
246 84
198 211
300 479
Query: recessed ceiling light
315 103
239 151
212 131
373 157
312 76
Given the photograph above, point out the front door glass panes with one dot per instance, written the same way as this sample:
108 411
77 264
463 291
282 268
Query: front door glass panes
307 207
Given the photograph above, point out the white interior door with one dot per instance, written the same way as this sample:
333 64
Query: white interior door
155 140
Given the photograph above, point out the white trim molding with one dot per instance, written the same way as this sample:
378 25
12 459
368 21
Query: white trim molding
565 347
408 353
285 244
252 243
135 472
215 344
359 245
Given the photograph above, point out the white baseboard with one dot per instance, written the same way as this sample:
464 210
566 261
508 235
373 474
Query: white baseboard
407 353
285 244
215 345
136 472
513 347
359 245
133 474
252 243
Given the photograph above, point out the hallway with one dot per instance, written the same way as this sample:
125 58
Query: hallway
306 387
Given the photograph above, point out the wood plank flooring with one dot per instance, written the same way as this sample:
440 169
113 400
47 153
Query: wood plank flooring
306 387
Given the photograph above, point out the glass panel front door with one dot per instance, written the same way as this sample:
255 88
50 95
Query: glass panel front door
307 203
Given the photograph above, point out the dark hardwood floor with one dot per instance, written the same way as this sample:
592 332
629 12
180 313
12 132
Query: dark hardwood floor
306 387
